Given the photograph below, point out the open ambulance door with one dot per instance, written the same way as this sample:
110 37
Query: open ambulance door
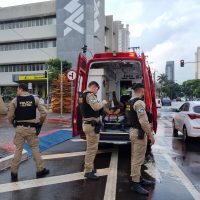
146 84
80 86
153 98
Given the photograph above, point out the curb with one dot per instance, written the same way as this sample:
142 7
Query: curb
6 162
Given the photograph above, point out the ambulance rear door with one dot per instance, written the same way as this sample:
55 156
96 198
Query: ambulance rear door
80 86
153 98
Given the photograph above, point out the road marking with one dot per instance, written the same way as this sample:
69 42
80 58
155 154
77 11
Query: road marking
6 162
177 171
78 140
184 179
72 154
8 187
111 184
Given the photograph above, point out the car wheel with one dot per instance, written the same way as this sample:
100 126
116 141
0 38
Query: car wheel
175 131
185 135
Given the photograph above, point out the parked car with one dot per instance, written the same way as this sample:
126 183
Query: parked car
187 120
166 101
178 98
158 103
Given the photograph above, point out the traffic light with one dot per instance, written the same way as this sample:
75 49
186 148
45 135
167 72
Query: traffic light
182 63
45 74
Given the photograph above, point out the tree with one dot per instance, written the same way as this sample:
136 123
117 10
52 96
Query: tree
54 65
162 78
191 88
171 89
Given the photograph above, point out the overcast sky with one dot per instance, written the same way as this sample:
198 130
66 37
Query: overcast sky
164 30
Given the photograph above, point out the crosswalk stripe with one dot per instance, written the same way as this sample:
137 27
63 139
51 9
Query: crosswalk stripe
111 184
71 154
8 187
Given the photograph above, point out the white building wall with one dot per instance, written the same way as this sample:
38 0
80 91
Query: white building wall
28 10
35 32
27 56
197 57
27 34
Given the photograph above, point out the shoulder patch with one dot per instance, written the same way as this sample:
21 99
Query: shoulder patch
140 110
92 98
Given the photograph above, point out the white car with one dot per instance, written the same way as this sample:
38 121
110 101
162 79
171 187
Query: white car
158 103
187 120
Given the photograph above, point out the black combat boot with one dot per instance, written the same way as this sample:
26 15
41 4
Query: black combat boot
91 175
14 177
42 173
145 182
94 171
137 187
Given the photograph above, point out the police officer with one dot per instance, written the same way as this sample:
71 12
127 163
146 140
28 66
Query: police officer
139 132
22 110
90 109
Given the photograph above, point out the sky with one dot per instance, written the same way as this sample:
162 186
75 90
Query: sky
166 30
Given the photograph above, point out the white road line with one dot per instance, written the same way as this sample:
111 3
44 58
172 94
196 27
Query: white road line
78 140
111 184
184 179
72 154
8 187
6 162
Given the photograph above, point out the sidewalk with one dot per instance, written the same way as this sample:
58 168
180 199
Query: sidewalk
52 124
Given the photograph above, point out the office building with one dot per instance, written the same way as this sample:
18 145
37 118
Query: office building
31 34
197 60
169 70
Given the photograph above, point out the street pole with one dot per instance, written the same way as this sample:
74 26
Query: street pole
47 87
61 90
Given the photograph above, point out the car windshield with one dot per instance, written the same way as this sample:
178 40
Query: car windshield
196 109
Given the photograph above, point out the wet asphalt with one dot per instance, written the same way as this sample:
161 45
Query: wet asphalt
174 166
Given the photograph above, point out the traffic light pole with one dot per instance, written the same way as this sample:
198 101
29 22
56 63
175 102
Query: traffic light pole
61 90
182 62
48 88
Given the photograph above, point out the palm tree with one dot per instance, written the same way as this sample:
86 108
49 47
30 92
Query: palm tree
162 79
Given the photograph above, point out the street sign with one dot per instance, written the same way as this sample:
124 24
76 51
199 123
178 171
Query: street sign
71 75
32 77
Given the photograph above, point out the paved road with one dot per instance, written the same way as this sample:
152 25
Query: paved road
175 168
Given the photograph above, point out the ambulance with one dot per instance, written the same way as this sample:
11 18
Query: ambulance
115 72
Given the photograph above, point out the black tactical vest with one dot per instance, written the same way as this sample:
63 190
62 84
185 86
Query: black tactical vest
26 109
86 110
132 117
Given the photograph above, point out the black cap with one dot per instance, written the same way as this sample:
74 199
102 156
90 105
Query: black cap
137 85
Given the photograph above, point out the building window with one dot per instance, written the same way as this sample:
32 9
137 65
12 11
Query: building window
22 67
42 21
28 45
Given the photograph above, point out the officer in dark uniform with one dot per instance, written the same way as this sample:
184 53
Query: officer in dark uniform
22 111
90 110
139 131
